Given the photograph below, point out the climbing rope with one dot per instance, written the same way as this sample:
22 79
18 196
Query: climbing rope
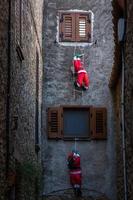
75 49
75 145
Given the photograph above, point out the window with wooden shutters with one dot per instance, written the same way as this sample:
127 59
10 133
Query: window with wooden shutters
99 123
54 123
75 27
81 122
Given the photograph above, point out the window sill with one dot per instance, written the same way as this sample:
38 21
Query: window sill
73 44
77 139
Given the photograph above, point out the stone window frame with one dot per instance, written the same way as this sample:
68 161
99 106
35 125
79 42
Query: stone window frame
78 43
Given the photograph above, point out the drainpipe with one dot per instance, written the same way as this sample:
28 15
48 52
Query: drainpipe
123 124
123 103
121 37
8 89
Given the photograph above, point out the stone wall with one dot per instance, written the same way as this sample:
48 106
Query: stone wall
24 162
116 85
97 157
128 111
119 148
129 98
4 19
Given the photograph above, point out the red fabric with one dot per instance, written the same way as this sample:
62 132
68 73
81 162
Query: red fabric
75 170
83 79
76 160
75 179
77 65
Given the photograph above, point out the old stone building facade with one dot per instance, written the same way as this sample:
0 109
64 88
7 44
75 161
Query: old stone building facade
35 74
20 102
97 157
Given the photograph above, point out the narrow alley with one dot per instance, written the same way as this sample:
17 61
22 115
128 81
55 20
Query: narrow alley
66 100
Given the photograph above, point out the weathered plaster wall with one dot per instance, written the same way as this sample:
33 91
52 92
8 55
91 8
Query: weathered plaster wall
97 157
26 32
23 74
4 19
129 98
118 137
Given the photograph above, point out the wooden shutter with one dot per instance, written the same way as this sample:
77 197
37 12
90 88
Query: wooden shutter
98 123
67 27
83 27
54 123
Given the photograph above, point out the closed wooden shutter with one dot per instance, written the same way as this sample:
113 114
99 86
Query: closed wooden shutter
75 27
99 123
67 27
83 27
54 123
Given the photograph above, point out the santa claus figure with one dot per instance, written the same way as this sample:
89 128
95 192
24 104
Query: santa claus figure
82 78
75 172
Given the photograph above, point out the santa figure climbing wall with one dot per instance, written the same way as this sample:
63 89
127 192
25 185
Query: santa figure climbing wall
82 78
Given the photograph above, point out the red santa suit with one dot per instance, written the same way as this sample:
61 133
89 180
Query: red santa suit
75 172
82 76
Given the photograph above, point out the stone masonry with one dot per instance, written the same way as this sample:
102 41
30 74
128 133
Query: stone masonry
128 111
19 177
4 19
25 27
116 86
97 157
129 98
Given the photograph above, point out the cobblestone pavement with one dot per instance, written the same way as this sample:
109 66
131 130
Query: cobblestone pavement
69 195
74 198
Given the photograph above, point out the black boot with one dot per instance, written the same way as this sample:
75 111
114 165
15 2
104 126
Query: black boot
77 87
77 192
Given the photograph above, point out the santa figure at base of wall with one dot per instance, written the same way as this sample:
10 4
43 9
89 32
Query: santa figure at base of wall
75 172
